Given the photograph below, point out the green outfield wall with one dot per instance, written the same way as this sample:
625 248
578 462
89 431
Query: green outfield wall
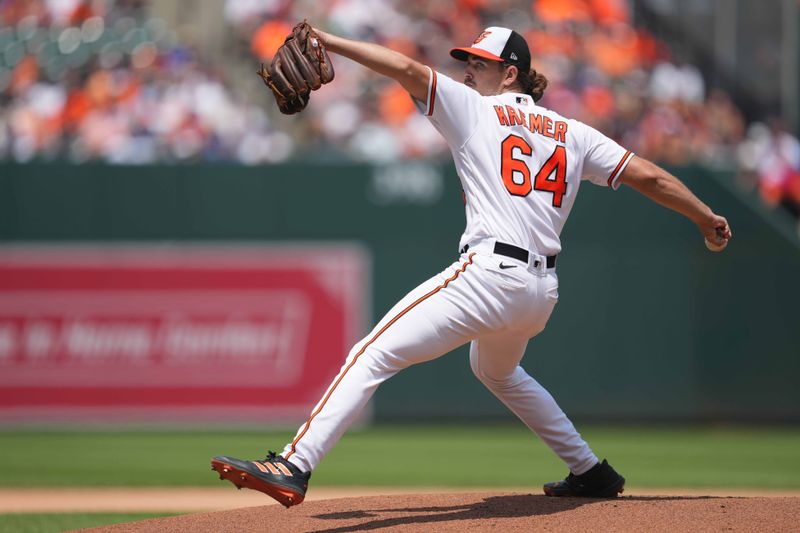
650 325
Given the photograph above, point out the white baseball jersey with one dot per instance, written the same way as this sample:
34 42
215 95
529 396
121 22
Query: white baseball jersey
520 164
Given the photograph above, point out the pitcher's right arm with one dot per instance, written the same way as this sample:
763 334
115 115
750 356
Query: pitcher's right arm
411 74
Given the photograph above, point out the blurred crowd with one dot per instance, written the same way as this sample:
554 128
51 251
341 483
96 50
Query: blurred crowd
769 160
100 80
103 80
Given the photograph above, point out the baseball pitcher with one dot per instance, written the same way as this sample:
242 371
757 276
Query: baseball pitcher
521 166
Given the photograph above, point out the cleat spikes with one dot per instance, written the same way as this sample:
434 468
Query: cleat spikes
276 477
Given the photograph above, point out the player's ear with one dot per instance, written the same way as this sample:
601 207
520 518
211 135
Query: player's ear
512 73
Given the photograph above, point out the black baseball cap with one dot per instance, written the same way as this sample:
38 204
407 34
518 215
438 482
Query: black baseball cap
498 44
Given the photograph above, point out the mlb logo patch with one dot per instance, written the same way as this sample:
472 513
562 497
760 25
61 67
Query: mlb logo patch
522 100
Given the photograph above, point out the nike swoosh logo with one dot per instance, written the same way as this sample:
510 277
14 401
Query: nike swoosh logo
504 266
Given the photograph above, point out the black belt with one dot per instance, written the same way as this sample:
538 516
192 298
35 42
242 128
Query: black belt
515 252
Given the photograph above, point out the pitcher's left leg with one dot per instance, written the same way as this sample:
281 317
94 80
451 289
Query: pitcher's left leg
437 316
495 361
431 320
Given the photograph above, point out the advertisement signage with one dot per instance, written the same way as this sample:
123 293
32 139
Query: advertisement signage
194 333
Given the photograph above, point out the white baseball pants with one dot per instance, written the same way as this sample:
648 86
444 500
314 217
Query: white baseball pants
474 300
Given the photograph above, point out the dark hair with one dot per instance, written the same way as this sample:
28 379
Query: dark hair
532 83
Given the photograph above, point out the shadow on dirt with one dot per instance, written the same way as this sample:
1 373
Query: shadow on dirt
493 507
522 505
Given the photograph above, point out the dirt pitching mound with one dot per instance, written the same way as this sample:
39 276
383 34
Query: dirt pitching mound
493 511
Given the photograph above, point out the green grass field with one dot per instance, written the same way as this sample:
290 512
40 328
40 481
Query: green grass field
54 522
447 456
407 456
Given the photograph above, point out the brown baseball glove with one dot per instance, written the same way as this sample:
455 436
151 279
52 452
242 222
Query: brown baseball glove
300 65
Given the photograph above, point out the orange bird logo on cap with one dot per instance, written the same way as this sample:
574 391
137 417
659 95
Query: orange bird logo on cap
482 36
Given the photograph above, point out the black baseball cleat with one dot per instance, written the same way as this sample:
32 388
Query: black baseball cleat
600 481
274 476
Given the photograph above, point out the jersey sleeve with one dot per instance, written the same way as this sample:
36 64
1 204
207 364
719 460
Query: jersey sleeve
452 108
604 159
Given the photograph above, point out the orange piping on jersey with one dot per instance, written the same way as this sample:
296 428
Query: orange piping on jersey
366 345
619 166
432 97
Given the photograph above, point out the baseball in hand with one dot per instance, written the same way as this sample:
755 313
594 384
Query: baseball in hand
716 247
